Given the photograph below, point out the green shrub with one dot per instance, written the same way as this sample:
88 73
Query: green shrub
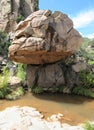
54 89
15 94
83 91
87 50
21 72
4 78
61 89
87 79
37 89
90 62
4 89
20 18
88 126
4 92
4 43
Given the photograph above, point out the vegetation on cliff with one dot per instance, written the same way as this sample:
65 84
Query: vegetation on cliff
4 43
6 90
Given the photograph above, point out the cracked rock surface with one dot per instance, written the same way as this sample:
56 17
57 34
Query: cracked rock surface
27 118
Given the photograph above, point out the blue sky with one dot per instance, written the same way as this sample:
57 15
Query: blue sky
80 11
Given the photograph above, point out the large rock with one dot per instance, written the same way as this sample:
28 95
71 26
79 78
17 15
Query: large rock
49 76
54 77
44 37
28 118
78 67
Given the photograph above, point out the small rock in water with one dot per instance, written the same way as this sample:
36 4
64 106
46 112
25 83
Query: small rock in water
55 117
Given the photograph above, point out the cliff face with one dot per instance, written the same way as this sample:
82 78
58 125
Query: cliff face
11 9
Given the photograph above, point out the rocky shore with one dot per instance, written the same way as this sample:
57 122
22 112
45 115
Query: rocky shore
28 118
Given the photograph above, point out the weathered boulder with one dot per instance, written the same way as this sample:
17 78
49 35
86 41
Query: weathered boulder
48 76
57 77
78 67
44 37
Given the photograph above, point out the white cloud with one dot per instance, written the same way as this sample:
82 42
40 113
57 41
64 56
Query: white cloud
91 36
83 19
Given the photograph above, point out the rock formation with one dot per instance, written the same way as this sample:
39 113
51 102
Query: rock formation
11 9
56 77
44 41
28 118
44 37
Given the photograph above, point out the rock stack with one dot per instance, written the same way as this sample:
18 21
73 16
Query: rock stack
43 40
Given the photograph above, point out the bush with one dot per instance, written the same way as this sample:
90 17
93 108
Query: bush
4 78
21 72
36 89
15 94
4 43
20 18
87 49
83 91
86 84
87 79
88 126
4 88
90 62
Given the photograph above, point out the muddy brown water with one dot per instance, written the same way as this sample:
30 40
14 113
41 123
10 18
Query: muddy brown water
76 109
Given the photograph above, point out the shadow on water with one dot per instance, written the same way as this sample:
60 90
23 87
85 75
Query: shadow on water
63 98
76 109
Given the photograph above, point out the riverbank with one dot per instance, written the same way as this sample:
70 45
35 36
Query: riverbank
28 118
75 109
